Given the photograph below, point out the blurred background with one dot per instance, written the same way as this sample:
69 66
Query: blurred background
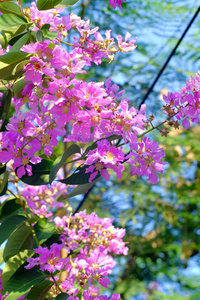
162 221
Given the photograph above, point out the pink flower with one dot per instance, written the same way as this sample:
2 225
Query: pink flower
114 3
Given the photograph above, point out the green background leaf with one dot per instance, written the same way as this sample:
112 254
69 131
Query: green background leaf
44 230
10 225
40 172
47 4
40 290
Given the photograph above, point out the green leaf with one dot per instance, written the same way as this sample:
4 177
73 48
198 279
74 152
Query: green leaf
2 169
11 20
17 70
44 230
9 61
82 189
40 290
40 173
62 296
4 185
79 177
23 40
14 263
10 225
47 4
10 206
5 103
20 239
22 281
45 29
1 256
16 37
10 8
55 238
13 57
61 159
51 35
10 33
18 87
39 36
66 3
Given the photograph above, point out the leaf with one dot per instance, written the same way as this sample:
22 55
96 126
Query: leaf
1 256
19 240
16 37
13 57
79 177
45 29
62 296
39 36
66 3
61 159
82 189
40 173
22 281
47 4
18 87
14 263
2 169
11 33
5 103
11 20
9 61
55 238
44 230
10 8
10 206
10 225
23 40
4 185
17 70
40 290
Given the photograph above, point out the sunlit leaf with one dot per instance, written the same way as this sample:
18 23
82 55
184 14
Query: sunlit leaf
20 239
66 3
47 4
14 263
22 281
10 8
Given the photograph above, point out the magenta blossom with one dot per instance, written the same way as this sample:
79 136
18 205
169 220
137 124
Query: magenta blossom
114 3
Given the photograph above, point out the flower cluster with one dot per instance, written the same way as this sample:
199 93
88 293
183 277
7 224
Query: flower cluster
60 105
185 105
42 200
87 241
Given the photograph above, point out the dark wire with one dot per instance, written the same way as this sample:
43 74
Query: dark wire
168 59
148 92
